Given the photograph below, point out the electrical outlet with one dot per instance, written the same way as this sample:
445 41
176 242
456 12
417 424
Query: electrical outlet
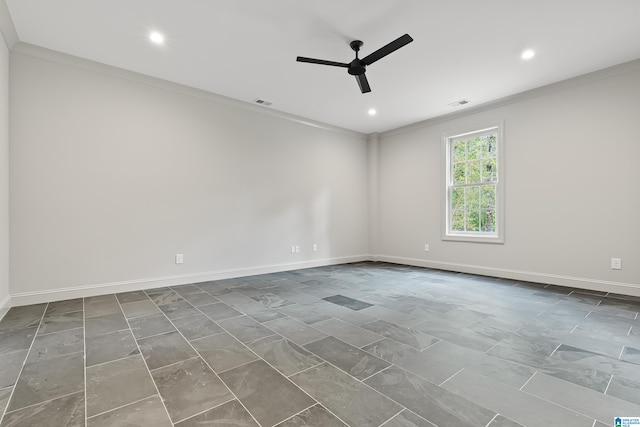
426 247
179 258
616 264
314 247
297 249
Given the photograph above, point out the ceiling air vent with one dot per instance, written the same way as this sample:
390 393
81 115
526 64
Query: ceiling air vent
262 102
459 103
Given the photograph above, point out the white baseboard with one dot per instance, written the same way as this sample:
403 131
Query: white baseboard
36 297
26 298
5 305
528 276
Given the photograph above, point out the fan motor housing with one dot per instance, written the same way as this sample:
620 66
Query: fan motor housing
356 67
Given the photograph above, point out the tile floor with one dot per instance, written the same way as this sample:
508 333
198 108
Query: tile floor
365 344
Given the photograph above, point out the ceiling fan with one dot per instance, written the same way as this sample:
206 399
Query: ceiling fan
358 66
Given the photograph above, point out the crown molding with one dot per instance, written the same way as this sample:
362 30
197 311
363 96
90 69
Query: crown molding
22 48
7 28
573 82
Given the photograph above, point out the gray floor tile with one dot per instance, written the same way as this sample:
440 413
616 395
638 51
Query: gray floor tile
346 315
348 333
10 366
22 317
223 352
197 326
48 379
266 394
185 290
434 369
65 306
501 421
133 296
630 354
476 337
118 383
578 374
219 311
139 308
416 339
178 309
350 359
259 312
272 300
108 347
61 322
147 326
65 411
165 297
448 355
351 400
55 345
295 330
143 413
625 388
314 416
200 298
5 394
347 302
284 355
101 305
106 323
232 414
579 399
233 299
165 349
407 418
514 404
17 339
304 313
382 313
245 328
578 345
189 388
429 400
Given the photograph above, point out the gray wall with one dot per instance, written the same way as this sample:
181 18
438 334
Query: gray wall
112 174
4 176
571 175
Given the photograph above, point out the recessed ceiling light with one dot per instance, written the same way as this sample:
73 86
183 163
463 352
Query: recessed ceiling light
156 37
372 112
528 54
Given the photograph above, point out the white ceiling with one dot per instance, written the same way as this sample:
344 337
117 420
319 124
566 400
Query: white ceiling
246 49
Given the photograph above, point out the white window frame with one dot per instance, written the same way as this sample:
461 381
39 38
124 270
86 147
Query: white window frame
479 237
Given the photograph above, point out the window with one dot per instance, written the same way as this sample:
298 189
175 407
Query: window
473 193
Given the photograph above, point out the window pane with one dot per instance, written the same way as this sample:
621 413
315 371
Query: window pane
457 198
473 172
474 148
457 220
488 197
459 151
489 170
472 197
473 220
459 173
489 146
488 220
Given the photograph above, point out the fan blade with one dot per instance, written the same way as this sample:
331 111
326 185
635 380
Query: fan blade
322 62
386 50
363 83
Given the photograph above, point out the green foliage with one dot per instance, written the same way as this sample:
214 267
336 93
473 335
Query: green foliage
473 190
